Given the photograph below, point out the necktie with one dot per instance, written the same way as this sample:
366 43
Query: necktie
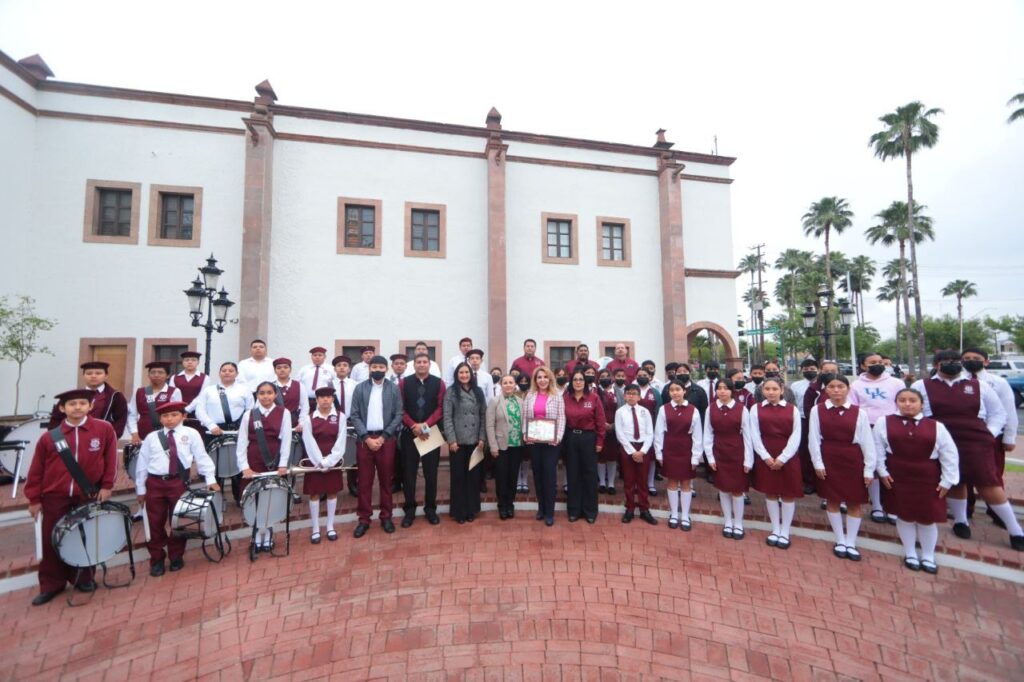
341 395
636 426
172 454
316 375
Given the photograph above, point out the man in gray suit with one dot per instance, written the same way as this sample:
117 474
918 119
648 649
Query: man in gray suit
376 417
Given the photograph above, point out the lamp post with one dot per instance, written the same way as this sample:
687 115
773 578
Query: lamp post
204 289
810 319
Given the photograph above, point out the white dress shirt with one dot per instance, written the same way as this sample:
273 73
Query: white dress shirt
624 428
861 436
360 372
253 373
695 431
375 408
1001 387
323 378
709 432
153 459
449 372
945 451
348 386
792 445
486 384
133 409
313 450
208 409
991 411
286 436
799 388
411 369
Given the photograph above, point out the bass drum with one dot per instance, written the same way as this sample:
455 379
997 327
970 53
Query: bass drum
92 534
298 451
223 451
21 440
266 501
194 514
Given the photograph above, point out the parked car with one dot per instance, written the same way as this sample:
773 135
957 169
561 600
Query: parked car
1017 384
1007 367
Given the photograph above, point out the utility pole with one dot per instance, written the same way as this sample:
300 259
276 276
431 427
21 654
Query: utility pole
853 332
760 302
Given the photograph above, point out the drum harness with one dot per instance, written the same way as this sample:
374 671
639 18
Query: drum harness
268 461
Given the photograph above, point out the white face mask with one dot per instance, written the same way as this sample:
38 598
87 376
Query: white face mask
889 371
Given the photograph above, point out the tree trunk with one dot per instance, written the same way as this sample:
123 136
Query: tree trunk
905 295
828 278
17 389
918 317
899 350
960 317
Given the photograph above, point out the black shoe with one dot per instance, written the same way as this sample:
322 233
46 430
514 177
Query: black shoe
388 526
1017 542
591 519
549 521
653 492
407 521
157 570
360 530
912 563
645 515
45 598
929 567
503 515
573 519
471 517
354 491
314 539
962 531
611 490
658 477
601 490
332 535
746 500
395 488
539 516
511 513
627 517
432 517
89 585
995 518
809 490
177 564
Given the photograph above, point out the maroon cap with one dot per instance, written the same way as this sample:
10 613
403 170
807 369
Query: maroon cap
368 349
282 361
324 391
342 358
96 364
159 364
173 406
75 394
191 354
475 351
399 356
317 349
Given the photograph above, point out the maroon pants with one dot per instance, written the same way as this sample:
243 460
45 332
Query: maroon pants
54 574
161 496
381 462
634 475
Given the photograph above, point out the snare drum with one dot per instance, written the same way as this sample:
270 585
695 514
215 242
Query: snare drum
348 460
193 515
21 441
266 501
223 451
92 534
131 458
298 451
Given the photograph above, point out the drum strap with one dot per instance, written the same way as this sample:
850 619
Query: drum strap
154 419
183 471
261 438
87 486
224 405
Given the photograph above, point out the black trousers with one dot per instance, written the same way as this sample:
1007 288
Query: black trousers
544 460
581 472
465 483
506 475
410 460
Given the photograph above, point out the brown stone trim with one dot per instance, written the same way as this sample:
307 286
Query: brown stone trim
574 238
146 123
630 349
579 165
17 69
442 243
436 344
92 188
89 90
377 210
627 242
7 94
548 345
720 274
706 178
155 211
731 349
497 265
85 345
673 279
340 343
257 221
368 144
148 348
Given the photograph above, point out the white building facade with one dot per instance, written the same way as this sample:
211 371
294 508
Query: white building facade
342 229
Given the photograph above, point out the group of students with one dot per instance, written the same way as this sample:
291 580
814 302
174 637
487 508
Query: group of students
929 446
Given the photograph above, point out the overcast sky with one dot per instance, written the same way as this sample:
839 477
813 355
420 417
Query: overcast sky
793 89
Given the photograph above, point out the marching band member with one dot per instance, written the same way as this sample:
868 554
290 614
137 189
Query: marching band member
219 408
917 463
678 447
85 456
161 478
635 431
843 452
422 409
419 349
730 453
361 371
344 387
775 436
108 403
323 434
258 367
190 382
258 454
290 393
315 375
465 345
148 398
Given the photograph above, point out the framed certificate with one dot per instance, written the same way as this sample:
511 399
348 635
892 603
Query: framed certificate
541 430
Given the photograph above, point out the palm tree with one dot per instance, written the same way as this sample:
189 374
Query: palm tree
753 264
888 292
822 218
907 130
794 262
1017 99
862 269
962 289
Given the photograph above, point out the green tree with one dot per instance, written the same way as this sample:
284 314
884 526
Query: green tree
888 293
794 262
825 216
20 327
1008 324
908 130
754 265
944 332
962 289
1016 101
861 270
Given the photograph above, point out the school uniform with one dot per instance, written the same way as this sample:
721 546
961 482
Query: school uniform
584 429
252 373
360 372
634 430
678 448
277 428
190 386
292 397
1001 387
312 377
840 442
813 395
210 412
744 398
142 410
775 432
161 476
324 439
727 444
108 405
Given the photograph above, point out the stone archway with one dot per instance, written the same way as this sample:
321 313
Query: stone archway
732 353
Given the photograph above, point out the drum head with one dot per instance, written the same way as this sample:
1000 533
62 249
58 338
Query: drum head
224 453
193 514
25 436
273 495
131 458
88 539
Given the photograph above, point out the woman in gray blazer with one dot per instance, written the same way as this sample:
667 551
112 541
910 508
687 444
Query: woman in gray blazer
465 410
505 438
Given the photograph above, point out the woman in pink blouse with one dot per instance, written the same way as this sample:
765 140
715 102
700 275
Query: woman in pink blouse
544 401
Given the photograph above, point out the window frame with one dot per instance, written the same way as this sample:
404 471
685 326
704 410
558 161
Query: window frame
630 348
436 344
90 229
627 246
574 241
156 210
85 354
442 220
149 345
343 204
339 345
549 346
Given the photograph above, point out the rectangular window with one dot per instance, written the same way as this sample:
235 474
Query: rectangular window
410 351
170 353
115 213
609 348
353 348
558 356
112 211
426 230
358 229
613 248
175 215
559 238
176 212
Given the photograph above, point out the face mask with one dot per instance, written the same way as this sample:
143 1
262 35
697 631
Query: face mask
712 376
495 378
876 370
827 377
810 376
377 376
587 380
524 385
739 384
757 380
951 368
605 383
620 382
643 381
974 366
771 375
562 381
683 378
890 371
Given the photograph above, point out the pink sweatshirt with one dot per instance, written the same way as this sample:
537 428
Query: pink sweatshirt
876 396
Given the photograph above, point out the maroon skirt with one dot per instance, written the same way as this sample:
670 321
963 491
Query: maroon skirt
786 482
611 450
844 474
316 483
729 474
913 496
676 466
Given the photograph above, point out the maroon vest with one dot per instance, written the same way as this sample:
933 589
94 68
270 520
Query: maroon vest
189 388
957 407
911 441
291 397
649 402
325 433
727 424
775 423
743 397
677 428
838 424
272 430
146 425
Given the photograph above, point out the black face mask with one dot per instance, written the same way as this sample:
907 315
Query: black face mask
642 381
771 375
683 378
562 381
620 382
495 378
826 377
876 370
524 385
605 383
712 376
951 368
757 380
974 366
587 380
739 385
810 376
378 375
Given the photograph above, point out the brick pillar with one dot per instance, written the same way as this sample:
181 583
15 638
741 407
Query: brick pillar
254 297
497 269
673 278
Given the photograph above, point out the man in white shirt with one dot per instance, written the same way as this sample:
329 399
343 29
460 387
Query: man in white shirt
399 361
315 375
475 357
361 370
421 349
465 345
258 368
344 387
634 430
711 374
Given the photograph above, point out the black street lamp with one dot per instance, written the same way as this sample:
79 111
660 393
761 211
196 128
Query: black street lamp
810 317
217 303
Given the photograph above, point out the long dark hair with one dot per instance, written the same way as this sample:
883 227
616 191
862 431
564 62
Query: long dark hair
473 387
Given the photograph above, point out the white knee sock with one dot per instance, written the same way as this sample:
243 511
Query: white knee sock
875 495
788 509
773 514
958 508
835 519
332 507
600 474
650 475
1005 512
725 499
262 536
314 514
685 502
852 528
737 512
907 530
929 536
673 503
612 468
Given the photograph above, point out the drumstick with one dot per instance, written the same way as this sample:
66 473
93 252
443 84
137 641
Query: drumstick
39 536
145 522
